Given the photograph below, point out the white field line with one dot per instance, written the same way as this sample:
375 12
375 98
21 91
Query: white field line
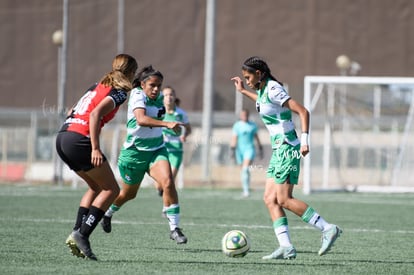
252 226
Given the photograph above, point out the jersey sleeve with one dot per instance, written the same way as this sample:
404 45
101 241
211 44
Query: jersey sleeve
118 96
137 99
277 94
184 116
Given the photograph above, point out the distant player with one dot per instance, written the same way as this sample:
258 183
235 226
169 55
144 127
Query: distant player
174 141
243 147
275 107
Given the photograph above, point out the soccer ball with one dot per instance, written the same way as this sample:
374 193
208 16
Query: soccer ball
235 243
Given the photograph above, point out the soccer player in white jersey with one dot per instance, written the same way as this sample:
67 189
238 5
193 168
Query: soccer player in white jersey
244 133
275 107
144 150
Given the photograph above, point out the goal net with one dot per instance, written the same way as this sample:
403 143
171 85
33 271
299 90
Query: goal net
362 134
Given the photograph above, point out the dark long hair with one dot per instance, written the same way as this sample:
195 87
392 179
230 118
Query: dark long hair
256 63
144 73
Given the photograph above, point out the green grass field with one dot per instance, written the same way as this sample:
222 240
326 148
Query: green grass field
35 221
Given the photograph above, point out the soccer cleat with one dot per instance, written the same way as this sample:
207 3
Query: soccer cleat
178 236
328 239
70 242
282 253
106 224
83 245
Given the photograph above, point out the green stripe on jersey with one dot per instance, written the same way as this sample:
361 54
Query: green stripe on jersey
270 120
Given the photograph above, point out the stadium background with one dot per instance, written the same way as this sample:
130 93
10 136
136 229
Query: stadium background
297 38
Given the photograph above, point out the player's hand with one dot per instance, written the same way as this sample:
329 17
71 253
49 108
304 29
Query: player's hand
238 83
304 150
175 126
96 157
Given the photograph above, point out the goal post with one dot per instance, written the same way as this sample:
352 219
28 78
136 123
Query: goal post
361 134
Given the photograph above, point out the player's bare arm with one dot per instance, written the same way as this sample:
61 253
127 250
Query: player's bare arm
146 121
238 83
103 108
304 122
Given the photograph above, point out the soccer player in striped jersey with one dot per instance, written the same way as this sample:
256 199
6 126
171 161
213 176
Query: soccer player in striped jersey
77 144
275 107
144 150
174 141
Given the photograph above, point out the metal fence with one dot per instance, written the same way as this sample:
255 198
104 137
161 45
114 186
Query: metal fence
27 152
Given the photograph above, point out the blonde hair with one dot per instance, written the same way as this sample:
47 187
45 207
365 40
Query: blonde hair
123 66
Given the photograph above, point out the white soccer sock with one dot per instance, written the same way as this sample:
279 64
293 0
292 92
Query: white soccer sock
111 210
282 235
173 215
317 221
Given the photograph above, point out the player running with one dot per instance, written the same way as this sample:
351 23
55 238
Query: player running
144 150
275 107
174 141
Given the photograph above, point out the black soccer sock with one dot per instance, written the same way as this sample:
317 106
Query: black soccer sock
82 212
92 219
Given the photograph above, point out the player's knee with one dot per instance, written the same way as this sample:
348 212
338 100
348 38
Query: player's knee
269 199
284 201
126 196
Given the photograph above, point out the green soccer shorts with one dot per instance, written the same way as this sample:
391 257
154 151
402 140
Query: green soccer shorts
133 164
175 158
285 164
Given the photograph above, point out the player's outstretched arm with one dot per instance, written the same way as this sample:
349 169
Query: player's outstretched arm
238 83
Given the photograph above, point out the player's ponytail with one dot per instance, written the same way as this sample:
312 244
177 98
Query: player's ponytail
118 80
123 66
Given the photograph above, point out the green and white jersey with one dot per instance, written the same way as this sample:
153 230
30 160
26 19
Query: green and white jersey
144 138
172 139
277 119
